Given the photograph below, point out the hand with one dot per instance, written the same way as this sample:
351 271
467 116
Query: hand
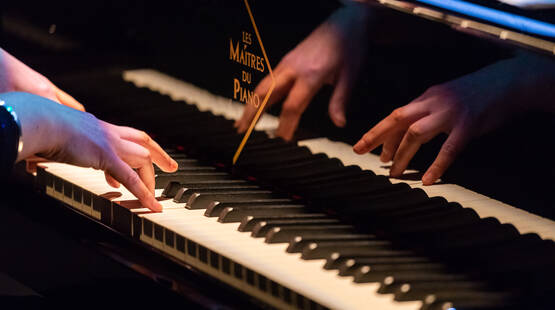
16 76
463 108
67 135
331 54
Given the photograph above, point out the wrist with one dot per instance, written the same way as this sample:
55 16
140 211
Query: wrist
9 137
37 125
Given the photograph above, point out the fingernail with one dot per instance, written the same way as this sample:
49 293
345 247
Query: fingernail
394 172
427 179
340 120
384 156
155 205
358 148
174 164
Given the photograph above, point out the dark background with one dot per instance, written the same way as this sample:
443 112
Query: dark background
190 40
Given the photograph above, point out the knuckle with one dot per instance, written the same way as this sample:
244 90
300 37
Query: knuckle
144 137
145 156
131 179
450 150
292 109
398 115
415 133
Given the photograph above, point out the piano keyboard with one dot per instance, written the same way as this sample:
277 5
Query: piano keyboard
298 229
525 222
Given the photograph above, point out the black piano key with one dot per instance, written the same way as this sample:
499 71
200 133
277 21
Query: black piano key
317 161
318 250
282 155
203 200
285 233
163 180
183 164
359 185
335 259
171 189
298 242
370 211
399 211
414 276
348 173
431 226
249 222
299 222
184 193
350 266
419 290
469 299
284 176
188 169
235 214
378 272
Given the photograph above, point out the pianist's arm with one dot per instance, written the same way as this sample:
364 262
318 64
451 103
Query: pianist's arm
60 133
16 76
463 108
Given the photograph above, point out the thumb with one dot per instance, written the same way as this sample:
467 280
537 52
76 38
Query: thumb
67 100
339 99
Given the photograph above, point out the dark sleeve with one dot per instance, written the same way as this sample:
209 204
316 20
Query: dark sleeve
9 140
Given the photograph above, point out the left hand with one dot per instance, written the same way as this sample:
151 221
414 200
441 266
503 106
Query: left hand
462 108
17 76
331 54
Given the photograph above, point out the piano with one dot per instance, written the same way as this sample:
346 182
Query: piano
293 225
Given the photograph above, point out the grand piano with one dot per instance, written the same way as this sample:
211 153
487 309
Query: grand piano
292 225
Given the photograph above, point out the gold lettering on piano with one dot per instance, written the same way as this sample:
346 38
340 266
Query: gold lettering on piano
239 53
244 57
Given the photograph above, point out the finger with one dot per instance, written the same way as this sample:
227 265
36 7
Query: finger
418 133
131 180
390 146
298 99
139 158
111 181
399 119
284 80
339 98
158 155
456 141
146 173
67 100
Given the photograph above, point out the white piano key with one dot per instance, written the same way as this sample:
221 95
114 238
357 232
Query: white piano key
344 152
204 100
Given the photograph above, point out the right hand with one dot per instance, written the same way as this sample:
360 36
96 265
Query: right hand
331 54
59 133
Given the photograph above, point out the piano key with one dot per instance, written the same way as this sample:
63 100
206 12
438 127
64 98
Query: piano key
182 164
419 290
203 200
350 265
410 277
163 180
348 173
298 242
335 259
322 249
261 228
227 214
186 190
462 299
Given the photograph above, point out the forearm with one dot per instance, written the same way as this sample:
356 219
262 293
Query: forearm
37 129
526 80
